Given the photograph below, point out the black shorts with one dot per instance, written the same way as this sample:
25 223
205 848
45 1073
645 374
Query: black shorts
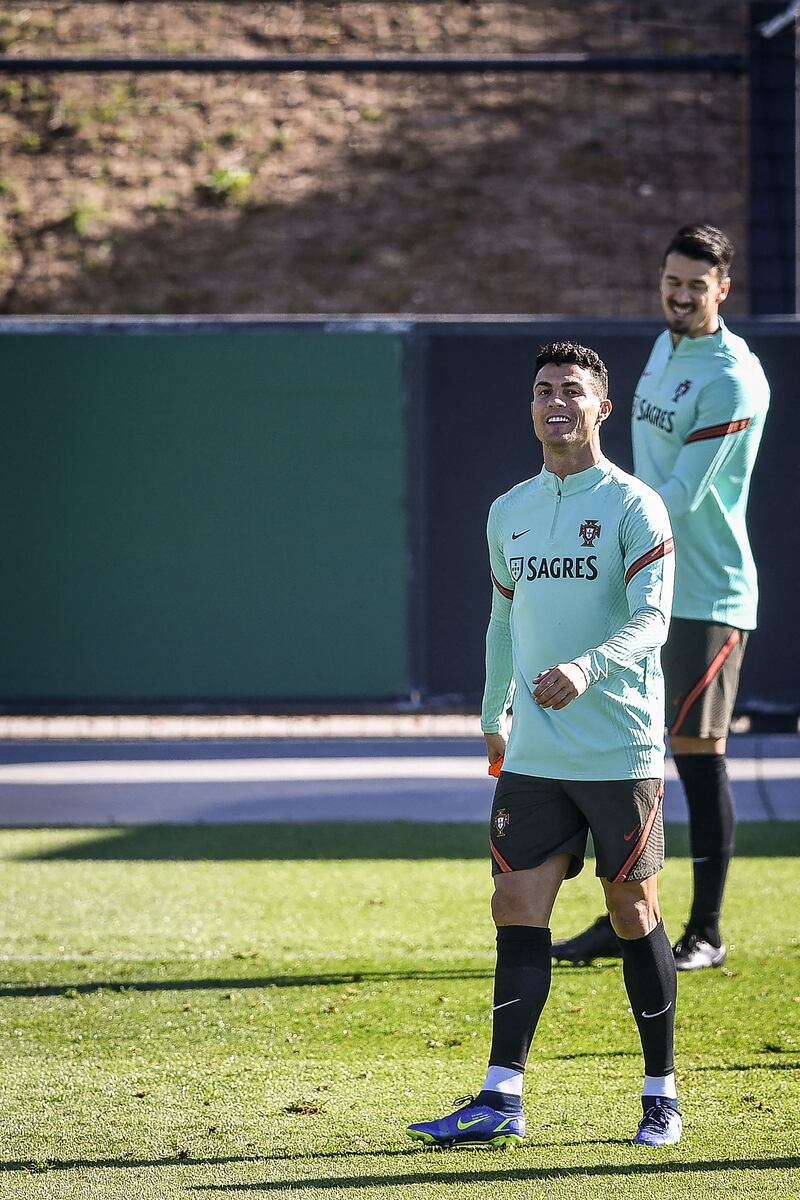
701 661
533 819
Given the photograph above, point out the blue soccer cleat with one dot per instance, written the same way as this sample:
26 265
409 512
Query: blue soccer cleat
472 1125
661 1124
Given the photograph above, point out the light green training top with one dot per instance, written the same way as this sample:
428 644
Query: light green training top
583 572
698 415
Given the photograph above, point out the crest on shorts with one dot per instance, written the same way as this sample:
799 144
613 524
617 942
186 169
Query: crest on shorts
681 390
589 531
501 822
515 565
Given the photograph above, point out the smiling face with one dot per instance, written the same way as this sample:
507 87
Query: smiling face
691 293
567 411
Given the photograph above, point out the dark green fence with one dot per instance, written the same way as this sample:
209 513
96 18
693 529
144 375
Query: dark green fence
202 516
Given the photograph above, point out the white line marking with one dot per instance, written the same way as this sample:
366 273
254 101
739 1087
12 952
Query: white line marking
286 770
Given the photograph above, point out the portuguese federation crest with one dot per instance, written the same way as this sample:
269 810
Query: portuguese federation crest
681 390
589 531
516 569
501 822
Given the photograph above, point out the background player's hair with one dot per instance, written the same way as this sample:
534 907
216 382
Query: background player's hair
703 241
580 356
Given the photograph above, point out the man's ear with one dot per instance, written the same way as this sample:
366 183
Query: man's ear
724 288
605 410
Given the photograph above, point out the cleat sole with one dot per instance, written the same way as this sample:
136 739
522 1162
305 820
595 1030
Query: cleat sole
504 1141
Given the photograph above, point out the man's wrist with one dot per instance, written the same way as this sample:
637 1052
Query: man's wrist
583 666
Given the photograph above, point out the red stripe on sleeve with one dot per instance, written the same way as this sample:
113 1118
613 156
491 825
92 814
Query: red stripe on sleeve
504 591
716 431
650 557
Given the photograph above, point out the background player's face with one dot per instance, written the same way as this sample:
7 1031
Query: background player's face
567 409
691 293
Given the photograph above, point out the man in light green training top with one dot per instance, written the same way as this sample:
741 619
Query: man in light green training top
697 420
582 570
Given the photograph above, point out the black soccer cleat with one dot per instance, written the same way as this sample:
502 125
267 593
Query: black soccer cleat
693 953
598 941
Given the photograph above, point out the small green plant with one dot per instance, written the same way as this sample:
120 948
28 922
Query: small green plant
11 90
229 136
165 200
116 103
373 114
8 34
30 142
83 217
226 185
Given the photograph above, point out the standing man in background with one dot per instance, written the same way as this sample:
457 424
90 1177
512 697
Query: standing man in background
697 419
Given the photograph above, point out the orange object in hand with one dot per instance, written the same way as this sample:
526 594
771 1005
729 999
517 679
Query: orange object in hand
496 767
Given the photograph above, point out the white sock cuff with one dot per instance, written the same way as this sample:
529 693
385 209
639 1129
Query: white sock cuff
505 1080
660 1085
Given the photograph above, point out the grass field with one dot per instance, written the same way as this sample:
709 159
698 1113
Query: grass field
259 1011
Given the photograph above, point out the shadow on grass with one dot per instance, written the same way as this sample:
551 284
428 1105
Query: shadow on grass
745 1067
353 840
526 1174
236 983
41 1166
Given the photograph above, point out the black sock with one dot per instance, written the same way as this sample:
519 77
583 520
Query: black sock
521 985
712 821
648 967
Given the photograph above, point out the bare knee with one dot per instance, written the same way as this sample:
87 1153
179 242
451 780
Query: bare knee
633 907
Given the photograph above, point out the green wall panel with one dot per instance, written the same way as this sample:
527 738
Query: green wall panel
202 516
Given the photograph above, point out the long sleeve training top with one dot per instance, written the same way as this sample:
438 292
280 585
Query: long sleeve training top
582 571
697 419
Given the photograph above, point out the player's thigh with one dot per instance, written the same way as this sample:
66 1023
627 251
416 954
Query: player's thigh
527 897
533 820
702 661
627 824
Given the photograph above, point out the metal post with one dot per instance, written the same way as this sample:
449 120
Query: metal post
773 157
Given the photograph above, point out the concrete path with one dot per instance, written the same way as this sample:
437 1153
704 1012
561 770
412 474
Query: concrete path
305 779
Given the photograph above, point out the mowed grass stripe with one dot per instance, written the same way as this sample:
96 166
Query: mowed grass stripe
310 990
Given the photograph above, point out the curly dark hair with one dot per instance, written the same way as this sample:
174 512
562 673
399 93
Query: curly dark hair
703 242
562 353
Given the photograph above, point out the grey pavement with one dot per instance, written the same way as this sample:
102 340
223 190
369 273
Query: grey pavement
53 783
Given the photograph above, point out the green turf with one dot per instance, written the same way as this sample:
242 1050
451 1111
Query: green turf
259 1010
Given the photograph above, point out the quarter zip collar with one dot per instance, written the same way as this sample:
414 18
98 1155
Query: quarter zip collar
701 346
572 484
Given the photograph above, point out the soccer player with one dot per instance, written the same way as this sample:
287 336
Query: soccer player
582 571
698 415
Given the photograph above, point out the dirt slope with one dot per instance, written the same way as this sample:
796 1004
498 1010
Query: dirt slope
305 193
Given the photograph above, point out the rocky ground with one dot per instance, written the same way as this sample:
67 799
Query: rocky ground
305 193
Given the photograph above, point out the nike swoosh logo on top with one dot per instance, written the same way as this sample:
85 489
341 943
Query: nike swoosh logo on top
469 1124
660 1012
514 536
632 833
506 1003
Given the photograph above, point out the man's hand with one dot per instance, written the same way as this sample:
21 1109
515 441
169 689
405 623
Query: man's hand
559 686
495 747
